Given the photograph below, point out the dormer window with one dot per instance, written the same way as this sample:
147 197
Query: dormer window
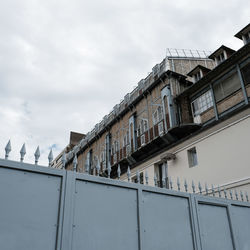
221 58
221 54
244 34
247 38
198 72
197 76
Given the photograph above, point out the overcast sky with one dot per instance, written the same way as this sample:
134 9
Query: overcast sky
65 64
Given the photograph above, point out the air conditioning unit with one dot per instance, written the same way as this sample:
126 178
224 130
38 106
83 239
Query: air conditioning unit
161 128
143 141
197 119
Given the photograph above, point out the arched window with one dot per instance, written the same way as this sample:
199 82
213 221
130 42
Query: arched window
158 115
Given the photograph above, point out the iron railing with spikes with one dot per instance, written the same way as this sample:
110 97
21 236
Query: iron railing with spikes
36 154
165 182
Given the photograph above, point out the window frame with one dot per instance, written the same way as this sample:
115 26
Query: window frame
192 157
205 103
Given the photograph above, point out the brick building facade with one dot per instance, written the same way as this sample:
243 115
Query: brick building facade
183 97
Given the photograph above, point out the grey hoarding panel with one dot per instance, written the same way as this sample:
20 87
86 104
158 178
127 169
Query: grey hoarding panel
241 225
29 210
214 227
105 217
166 222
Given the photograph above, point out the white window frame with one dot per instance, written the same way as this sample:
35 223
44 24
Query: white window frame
143 140
204 102
158 115
160 128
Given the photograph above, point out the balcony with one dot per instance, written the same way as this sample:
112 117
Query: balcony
155 140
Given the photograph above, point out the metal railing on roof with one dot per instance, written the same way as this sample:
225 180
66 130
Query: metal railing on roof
172 52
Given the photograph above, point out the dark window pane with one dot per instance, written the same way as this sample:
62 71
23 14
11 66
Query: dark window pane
246 74
227 87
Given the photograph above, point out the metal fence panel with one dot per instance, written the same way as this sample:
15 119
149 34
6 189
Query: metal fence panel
44 208
241 225
29 210
167 222
214 226
105 217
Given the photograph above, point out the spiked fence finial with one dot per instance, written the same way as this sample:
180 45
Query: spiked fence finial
206 188
231 194
128 173
241 195
7 150
213 190
138 176
178 184
63 160
98 167
146 177
200 187
236 194
163 179
193 186
225 193
246 194
119 172
185 185
50 157
219 191
87 166
37 155
170 182
109 169
155 180
75 163
22 152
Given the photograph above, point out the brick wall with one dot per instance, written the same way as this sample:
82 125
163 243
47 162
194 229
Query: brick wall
230 101
207 115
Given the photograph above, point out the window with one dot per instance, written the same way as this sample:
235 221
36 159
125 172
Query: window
116 146
221 58
142 127
227 87
126 139
192 157
246 74
160 128
155 117
145 125
197 76
139 130
202 103
158 115
143 141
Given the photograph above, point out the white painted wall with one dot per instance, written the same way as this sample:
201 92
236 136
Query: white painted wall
223 157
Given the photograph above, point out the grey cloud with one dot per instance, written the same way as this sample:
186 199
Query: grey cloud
65 64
